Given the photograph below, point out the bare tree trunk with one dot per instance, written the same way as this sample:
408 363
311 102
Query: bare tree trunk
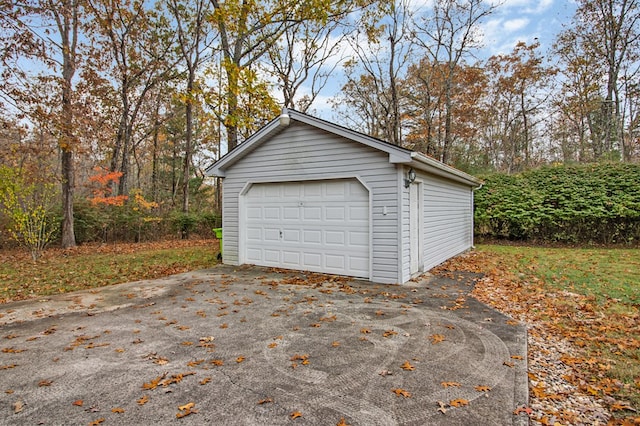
67 22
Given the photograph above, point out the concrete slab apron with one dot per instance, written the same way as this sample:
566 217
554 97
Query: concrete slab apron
252 346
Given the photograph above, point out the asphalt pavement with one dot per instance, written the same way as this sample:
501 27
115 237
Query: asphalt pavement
257 346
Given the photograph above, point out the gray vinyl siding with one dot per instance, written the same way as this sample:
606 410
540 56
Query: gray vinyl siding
447 222
303 152
448 226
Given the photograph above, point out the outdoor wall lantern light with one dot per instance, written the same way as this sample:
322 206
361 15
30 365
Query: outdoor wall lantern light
411 177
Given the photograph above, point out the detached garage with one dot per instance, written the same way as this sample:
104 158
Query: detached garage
304 193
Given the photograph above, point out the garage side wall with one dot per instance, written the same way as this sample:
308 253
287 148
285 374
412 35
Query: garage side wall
303 152
448 221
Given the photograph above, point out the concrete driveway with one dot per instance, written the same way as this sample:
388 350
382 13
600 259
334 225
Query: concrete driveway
254 346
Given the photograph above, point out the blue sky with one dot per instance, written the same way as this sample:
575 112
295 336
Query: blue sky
525 20
511 22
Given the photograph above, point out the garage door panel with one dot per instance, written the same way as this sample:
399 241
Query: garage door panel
291 258
312 260
268 191
290 213
334 238
291 236
312 190
311 213
254 255
359 263
335 213
272 256
271 213
360 213
312 236
360 239
335 261
320 226
271 234
254 234
254 213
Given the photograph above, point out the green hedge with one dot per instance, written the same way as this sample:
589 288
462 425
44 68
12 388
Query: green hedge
594 203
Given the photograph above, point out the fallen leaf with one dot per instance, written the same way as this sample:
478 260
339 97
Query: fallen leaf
44 382
18 406
240 359
217 362
442 407
458 402
185 410
12 350
522 409
401 392
117 410
508 364
617 406
78 403
389 333
436 338
516 357
205 380
187 406
408 367
143 400
335 344
265 401
97 421
384 373
153 383
365 331
295 415
482 388
272 345
342 422
450 384
195 363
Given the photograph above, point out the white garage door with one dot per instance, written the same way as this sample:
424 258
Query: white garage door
320 226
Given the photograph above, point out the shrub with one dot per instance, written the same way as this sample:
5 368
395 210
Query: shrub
28 207
595 203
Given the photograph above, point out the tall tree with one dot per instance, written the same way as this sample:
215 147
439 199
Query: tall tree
194 38
66 14
609 32
141 56
306 53
448 33
382 51
519 83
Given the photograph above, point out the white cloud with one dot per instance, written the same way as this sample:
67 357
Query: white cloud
517 24
527 6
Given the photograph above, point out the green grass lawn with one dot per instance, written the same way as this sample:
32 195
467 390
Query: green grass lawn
603 273
60 271
591 298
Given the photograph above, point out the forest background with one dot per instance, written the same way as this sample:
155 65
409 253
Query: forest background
111 109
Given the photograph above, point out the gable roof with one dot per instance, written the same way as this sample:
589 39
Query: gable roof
397 155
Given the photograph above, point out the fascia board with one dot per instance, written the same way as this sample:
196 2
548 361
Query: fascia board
422 162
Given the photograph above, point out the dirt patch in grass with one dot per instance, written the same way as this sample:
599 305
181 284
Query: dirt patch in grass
97 265
582 312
